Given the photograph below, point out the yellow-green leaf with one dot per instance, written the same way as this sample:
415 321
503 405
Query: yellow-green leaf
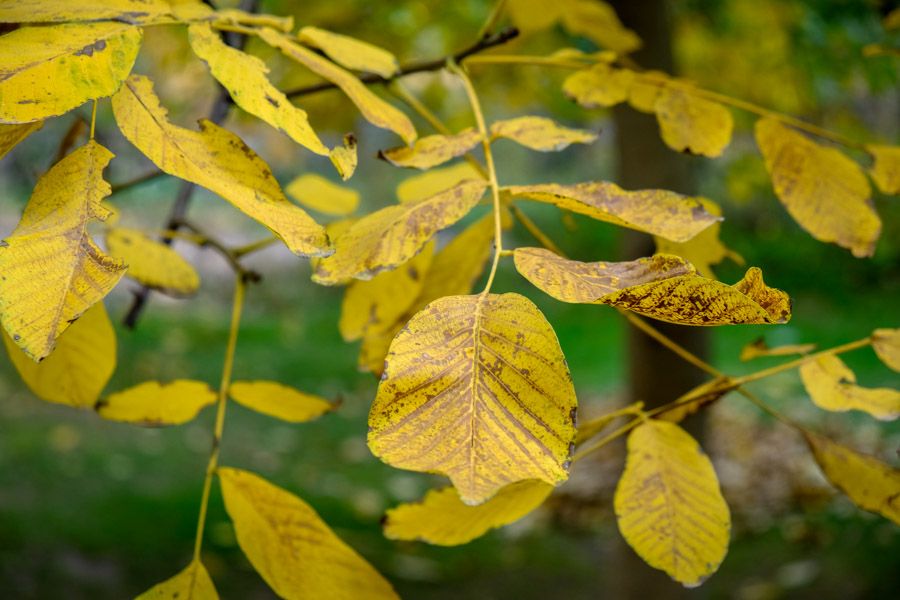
540 133
431 182
689 123
597 21
832 386
823 190
375 110
663 287
441 518
659 212
51 269
534 15
50 11
432 150
351 53
886 343
48 71
153 403
10 135
759 347
669 506
193 583
886 170
152 263
79 367
391 236
600 85
218 160
279 401
704 249
476 388
315 192
291 547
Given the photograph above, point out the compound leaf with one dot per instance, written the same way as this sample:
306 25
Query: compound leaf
351 53
886 343
540 133
689 123
832 386
279 401
152 263
432 150
315 192
154 403
193 583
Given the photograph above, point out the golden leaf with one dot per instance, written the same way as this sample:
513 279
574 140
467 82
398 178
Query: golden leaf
51 269
153 403
315 192
49 11
534 15
10 135
871 484
344 157
669 506
391 236
79 367
689 123
662 287
432 150
831 386
540 133
279 401
433 181
759 347
704 249
659 212
886 170
351 53
476 388
193 583
48 71
291 547
218 160
600 85
152 263
375 110
823 190
597 21
441 518
886 343
645 90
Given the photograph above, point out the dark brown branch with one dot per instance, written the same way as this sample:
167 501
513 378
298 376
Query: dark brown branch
230 255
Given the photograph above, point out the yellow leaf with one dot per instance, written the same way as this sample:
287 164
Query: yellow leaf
315 192
10 135
48 71
375 110
759 347
476 388
823 190
79 367
886 343
659 212
350 52
871 484
291 547
689 123
51 269
663 287
279 401
441 518
218 160
831 386
534 15
375 305
704 249
432 150
344 157
433 181
597 21
540 133
600 85
48 11
669 506
645 90
391 236
153 403
152 263
886 170
193 583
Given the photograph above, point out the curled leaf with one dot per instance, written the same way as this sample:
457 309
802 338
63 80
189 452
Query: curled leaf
689 123
315 192
154 264
153 403
432 150
886 343
832 386
351 53
540 133
279 401
193 583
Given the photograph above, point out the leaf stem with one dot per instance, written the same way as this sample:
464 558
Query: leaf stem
801 361
534 230
93 119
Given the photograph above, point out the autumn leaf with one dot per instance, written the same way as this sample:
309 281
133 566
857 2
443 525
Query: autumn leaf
886 343
193 583
534 15
476 388
832 386
886 170
600 85
152 263
704 249
49 11
279 401
669 506
433 150
441 518
689 123
540 133
153 403
759 348
351 53
431 182
645 89
597 21
315 192
218 160
10 135
291 547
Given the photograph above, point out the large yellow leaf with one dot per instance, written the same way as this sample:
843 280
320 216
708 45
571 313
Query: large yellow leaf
669 506
217 160
704 249
279 401
152 403
152 263
48 71
476 388
431 182
315 192
540 133
600 85
832 385
391 236
689 123
10 135
432 150
886 170
193 583
663 287
443 519
659 212
291 547
823 190
597 21
52 270
49 11
351 53
375 110
79 367
871 484
886 343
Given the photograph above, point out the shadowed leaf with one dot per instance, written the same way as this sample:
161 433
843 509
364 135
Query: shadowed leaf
10 135
152 263
153 403
704 249
432 150
886 170
597 21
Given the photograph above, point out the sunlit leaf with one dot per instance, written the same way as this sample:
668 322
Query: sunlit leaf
886 343
279 401
10 135
704 249
153 403
540 133
600 85
689 123
443 519
351 53
759 348
49 11
823 190
315 192
193 583
152 263
432 150
832 386
433 181
597 21
291 547
669 506
886 170
645 89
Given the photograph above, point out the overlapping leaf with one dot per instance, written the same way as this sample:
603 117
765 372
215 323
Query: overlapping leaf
832 386
153 403
600 85
886 343
279 401
433 181
351 53
10 135
193 583
152 263
315 192
540 133
690 123
433 150
704 249
886 170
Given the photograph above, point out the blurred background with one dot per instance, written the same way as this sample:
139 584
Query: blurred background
93 509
